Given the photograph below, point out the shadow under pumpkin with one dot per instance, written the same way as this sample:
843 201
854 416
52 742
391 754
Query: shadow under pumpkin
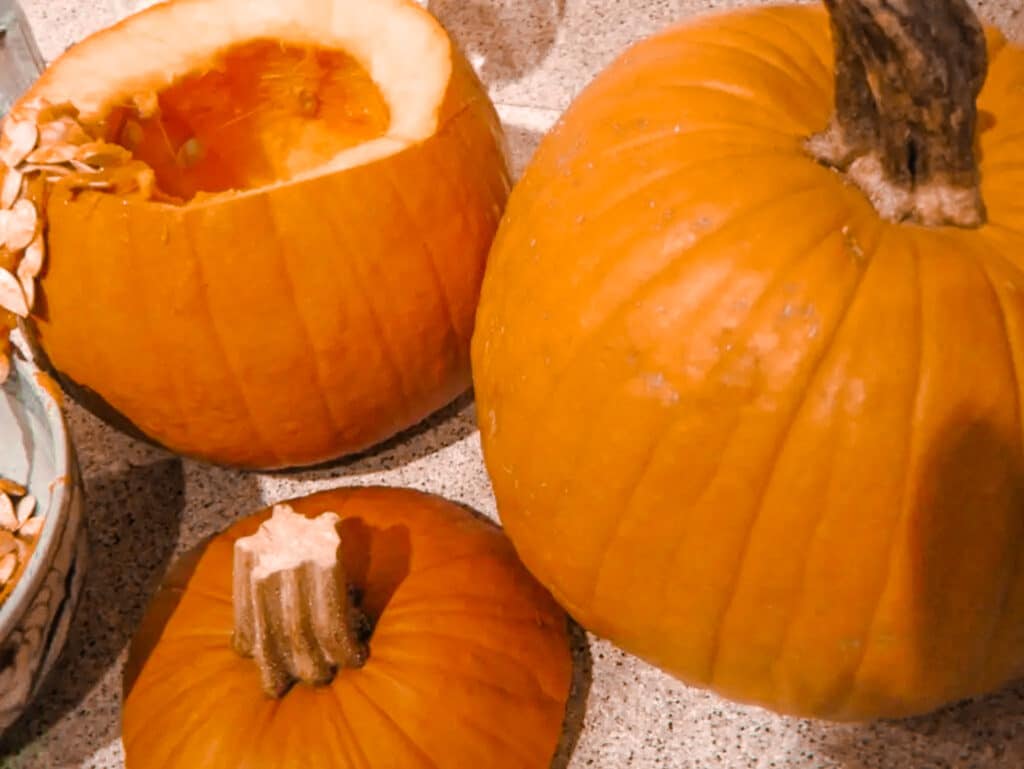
966 610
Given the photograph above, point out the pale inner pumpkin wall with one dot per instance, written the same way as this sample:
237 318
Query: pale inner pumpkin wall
263 113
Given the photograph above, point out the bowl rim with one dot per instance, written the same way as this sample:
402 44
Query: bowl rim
36 569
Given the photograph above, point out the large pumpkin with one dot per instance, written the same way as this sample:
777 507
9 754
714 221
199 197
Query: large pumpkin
467 662
750 389
291 269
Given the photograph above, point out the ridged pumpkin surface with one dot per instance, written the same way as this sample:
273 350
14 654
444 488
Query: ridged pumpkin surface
320 310
469 662
735 421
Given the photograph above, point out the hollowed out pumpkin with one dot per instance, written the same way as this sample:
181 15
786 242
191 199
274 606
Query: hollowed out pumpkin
464 658
300 281
750 393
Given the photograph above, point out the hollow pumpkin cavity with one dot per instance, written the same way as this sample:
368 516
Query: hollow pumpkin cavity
261 112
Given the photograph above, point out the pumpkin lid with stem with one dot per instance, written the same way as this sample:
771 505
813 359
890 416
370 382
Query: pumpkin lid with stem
292 608
335 629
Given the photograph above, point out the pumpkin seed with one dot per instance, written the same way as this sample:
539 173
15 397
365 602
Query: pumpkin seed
189 153
12 488
12 297
131 134
29 110
24 509
53 154
91 184
19 527
21 225
30 168
18 140
147 105
31 528
43 142
31 263
5 218
12 186
8 518
101 154
8 565
64 130
83 168
145 183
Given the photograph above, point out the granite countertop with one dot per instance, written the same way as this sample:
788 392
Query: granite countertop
145 506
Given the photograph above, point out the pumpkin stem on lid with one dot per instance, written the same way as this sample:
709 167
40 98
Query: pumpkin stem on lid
293 613
908 73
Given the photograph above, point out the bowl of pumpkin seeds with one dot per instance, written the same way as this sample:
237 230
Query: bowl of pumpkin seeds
42 538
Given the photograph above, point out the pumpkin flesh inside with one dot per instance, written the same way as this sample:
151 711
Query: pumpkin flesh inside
262 112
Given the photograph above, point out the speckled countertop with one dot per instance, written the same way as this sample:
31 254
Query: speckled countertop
145 506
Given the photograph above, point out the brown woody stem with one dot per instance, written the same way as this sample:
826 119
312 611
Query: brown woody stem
293 614
908 73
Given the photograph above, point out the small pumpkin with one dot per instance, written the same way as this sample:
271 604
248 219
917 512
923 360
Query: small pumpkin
265 223
253 654
748 357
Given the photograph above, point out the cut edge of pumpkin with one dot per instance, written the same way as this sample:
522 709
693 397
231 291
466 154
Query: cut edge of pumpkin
400 46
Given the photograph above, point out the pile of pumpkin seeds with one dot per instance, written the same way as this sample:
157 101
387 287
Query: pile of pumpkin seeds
42 145
19 529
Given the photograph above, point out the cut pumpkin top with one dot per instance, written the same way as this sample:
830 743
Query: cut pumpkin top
400 47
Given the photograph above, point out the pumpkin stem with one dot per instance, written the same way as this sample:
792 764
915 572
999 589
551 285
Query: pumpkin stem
293 613
907 75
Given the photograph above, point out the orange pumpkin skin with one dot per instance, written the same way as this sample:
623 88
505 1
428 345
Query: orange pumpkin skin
736 422
469 659
286 326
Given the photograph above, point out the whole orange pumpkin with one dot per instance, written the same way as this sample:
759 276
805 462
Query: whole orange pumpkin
275 256
467 662
748 377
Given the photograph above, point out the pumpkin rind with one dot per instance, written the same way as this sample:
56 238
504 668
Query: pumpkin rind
469 662
291 324
735 421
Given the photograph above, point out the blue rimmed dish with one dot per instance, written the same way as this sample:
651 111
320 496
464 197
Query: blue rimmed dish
36 452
